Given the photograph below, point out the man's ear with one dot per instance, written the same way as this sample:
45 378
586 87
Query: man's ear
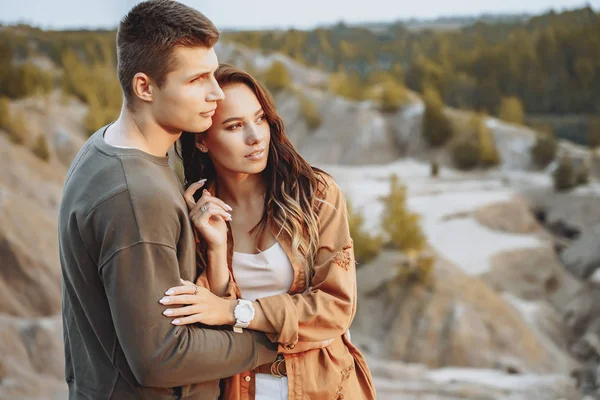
143 86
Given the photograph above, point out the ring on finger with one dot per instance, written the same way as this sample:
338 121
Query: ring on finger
204 208
196 290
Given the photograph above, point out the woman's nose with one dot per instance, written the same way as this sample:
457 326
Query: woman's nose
254 134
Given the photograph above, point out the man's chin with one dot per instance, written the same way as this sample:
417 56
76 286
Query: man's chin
198 128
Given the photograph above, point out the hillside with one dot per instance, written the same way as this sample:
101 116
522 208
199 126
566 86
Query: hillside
507 313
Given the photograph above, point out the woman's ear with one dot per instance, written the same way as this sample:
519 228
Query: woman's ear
200 144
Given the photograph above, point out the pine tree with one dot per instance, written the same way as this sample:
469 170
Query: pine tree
564 175
40 149
399 224
366 246
488 152
466 154
18 129
437 128
511 110
309 111
277 77
393 96
544 150
594 132
4 113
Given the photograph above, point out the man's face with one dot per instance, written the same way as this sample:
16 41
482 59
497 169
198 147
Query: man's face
188 97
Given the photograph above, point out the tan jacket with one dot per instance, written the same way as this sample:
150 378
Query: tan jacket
312 320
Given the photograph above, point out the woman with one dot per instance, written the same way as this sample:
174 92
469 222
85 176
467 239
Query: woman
291 263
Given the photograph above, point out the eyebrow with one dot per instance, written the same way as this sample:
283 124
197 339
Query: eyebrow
260 110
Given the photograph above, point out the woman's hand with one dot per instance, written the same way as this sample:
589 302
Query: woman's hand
200 305
208 215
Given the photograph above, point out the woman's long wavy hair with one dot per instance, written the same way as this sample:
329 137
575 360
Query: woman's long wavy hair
293 187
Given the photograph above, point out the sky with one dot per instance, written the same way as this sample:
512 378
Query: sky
239 14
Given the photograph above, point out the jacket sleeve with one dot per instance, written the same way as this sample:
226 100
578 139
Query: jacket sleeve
326 309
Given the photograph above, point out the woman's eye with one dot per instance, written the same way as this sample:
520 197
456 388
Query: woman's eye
233 127
261 118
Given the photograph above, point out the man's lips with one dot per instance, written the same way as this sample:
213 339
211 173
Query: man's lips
209 113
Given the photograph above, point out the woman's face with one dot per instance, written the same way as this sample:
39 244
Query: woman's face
238 139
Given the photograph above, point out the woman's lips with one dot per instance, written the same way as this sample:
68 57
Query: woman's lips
256 155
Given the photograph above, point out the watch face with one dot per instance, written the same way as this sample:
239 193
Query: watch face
243 313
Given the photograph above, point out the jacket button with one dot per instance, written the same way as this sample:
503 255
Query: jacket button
247 378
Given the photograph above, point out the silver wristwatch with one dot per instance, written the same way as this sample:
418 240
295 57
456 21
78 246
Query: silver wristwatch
243 314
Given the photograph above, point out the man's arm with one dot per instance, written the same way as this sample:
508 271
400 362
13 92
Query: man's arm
160 354
136 273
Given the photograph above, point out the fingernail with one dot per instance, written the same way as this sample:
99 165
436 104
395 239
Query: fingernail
201 181
164 300
176 322
228 207
168 312
169 292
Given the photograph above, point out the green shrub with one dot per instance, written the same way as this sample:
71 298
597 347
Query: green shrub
366 246
393 96
4 113
544 150
95 117
466 154
399 224
435 169
96 85
437 128
582 177
25 80
309 111
347 85
564 174
511 110
40 148
418 268
277 77
18 129
488 152
594 132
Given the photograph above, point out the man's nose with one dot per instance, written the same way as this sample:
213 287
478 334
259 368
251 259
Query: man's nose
215 93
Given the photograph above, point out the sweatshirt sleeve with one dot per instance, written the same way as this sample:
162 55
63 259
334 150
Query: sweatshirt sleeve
135 274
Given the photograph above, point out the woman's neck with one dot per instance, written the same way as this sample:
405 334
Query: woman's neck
241 190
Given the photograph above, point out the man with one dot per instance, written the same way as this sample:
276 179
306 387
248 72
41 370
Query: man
125 236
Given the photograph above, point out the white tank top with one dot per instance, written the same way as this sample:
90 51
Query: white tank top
267 273
260 275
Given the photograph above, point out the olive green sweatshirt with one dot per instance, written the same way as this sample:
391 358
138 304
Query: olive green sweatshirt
125 238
